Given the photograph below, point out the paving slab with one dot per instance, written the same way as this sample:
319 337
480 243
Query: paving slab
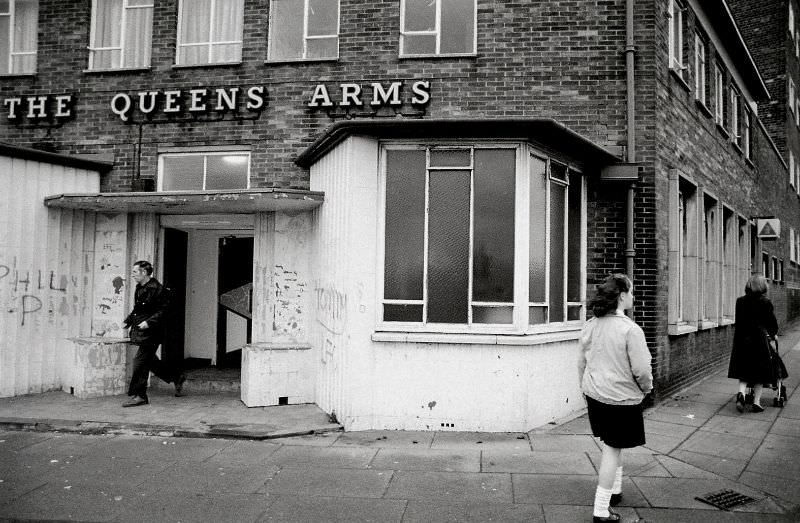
679 430
787 489
685 407
100 471
681 469
788 444
449 486
15 440
574 443
386 439
707 516
322 457
673 416
210 478
167 507
774 463
681 492
60 503
659 443
786 427
638 464
537 462
739 426
245 452
428 459
581 514
346 483
159 449
326 439
721 445
552 489
579 425
725 467
481 440
438 512
291 509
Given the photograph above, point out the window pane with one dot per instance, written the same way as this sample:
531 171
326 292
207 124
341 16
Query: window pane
286 30
323 17
195 54
448 246
4 7
182 173
420 15
493 236
574 241
538 224
138 36
228 21
558 171
537 315
226 53
322 48
419 44
26 13
451 158
108 23
107 59
557 202
502 315
405 224
458 26
574 312
5 22
228 171
402 313
195 21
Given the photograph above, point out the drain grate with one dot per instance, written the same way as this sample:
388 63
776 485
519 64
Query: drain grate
725 499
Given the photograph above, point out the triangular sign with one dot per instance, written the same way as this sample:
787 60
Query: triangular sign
767 230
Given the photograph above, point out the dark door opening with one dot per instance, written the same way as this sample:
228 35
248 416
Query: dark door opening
174 274
235 289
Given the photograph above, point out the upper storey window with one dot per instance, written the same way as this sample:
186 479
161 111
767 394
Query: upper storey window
215 171
677 58
303 30
210 31
121 34
18 31
437 27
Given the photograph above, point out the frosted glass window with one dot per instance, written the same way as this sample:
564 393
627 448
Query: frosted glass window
538 230
210 31
19 20
204 172
303 30
557 205
437 27
121 34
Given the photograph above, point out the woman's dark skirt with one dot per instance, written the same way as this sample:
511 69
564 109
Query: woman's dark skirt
618 426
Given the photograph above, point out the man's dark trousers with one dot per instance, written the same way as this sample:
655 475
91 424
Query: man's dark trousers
145 362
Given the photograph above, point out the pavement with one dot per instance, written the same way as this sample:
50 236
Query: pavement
65 459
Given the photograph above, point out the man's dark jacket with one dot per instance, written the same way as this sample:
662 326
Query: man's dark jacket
150 305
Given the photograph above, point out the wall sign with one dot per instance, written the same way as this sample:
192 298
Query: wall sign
196 101
768 228
36 108
353 95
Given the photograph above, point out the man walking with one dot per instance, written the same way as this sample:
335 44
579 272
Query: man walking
147 331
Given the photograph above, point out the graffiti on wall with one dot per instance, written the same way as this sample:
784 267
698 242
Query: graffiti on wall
28 292
109 270
289 293
331 308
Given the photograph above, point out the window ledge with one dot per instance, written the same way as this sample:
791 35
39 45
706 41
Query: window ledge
215 64
738 148
705 325
444 56
679 77
18 75
724 132
680 330
749 162
119 70
295 61
703 108
571 334
724 322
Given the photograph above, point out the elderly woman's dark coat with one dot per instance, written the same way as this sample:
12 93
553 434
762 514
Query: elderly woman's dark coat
750 358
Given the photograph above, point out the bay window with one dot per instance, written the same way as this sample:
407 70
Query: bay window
437 27
121 34
19 21
480 237
210 31
303 30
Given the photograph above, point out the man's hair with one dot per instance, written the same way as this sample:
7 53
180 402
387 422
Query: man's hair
757 284
145 265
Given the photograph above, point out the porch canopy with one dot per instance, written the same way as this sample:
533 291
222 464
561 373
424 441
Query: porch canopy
242 201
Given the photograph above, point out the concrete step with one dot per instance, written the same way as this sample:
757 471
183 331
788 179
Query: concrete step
205 381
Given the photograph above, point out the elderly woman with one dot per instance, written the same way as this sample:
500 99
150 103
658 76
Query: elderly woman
750 357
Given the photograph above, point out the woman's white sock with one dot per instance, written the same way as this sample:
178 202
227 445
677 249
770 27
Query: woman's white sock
602 497
617 487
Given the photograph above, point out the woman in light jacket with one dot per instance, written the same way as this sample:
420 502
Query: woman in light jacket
615 375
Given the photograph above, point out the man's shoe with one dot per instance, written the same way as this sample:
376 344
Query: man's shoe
612 516
616 499
740 402
135 402
179 385
756 407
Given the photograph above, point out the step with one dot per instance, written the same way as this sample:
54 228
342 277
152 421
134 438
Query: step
202 381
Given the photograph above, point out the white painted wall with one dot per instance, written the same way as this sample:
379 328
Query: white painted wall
402 384
201 295
45 273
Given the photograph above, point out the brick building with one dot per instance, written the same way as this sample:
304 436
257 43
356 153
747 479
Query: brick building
397 210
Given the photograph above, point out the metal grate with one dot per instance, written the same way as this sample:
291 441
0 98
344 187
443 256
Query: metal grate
725 499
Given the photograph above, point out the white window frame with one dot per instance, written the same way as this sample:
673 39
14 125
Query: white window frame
747 133
735 104
677 55
791 19
700 68
710 240
792 253
11 51
121 46
437 32
719 95
521 304
791 96
205 154
306 37
211 43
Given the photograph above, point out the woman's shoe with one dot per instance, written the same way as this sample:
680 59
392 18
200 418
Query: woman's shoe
740 402
616 499
612 516
756 407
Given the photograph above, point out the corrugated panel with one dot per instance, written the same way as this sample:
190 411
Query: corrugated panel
42 272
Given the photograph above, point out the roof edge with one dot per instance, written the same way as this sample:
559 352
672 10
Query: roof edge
28 153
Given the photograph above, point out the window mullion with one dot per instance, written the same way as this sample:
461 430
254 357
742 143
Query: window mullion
205 170
425 238
122 30
470 271
211 35
305 29
438 26
547 236
565 250
522 202
12 8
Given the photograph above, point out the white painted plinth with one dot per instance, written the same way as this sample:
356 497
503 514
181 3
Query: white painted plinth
99 367
271 371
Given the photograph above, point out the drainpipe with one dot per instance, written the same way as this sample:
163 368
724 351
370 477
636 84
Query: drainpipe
630 52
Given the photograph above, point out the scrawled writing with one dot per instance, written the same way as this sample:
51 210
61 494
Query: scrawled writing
26 292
